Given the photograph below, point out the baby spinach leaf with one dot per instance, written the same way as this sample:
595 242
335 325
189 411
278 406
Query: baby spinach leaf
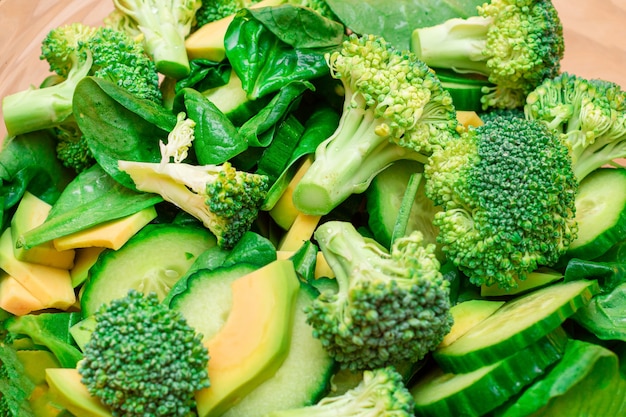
395 20
204 74
605 315
28 162
264 61
118 125
51 330
92 198
300 27
216 137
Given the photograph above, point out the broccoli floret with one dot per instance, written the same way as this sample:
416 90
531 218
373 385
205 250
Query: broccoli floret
212 10
507 191
591 113
165 24
517 112
390 306
73 52
380 393
516 44
144 359
394 108
71 148
224 199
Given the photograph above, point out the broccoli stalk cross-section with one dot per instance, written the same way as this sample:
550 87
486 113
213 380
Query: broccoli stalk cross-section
394 108
390 306
516 44
144 359
380 393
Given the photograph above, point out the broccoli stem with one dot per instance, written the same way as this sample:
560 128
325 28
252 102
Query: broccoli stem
347 161
601 152
42 108
167 47
457 44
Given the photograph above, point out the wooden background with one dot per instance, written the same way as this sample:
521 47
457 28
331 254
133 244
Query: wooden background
594 30
595 38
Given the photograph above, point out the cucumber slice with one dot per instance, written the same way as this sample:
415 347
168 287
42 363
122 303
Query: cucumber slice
534 280
471 394
151 261
600 213
384 199
517 324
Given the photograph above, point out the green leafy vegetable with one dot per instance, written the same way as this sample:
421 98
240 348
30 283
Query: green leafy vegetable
51 330
395 21
585 382
92 198
265 62
118 125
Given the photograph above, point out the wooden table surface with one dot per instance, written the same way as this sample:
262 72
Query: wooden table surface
595 38
594 30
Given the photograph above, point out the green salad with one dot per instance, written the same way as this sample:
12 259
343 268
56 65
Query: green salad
310 208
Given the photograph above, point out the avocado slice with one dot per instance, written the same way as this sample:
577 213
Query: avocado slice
68 391
255 340
32 212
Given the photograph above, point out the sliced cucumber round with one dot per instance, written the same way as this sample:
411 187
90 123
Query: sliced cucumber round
600 213
384 201
151 261
472 394
517 324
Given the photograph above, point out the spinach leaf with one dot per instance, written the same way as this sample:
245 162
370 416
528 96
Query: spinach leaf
216 137
51 330
118 125
300 27
28 162
605 315
266 62
92 198
318 127
396 20
259 129
204 74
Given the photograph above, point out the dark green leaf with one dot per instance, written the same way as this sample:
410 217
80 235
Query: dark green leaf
300 27
119 126
605 315
264 62
395 20
586 380
92 198
204 75
216 138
